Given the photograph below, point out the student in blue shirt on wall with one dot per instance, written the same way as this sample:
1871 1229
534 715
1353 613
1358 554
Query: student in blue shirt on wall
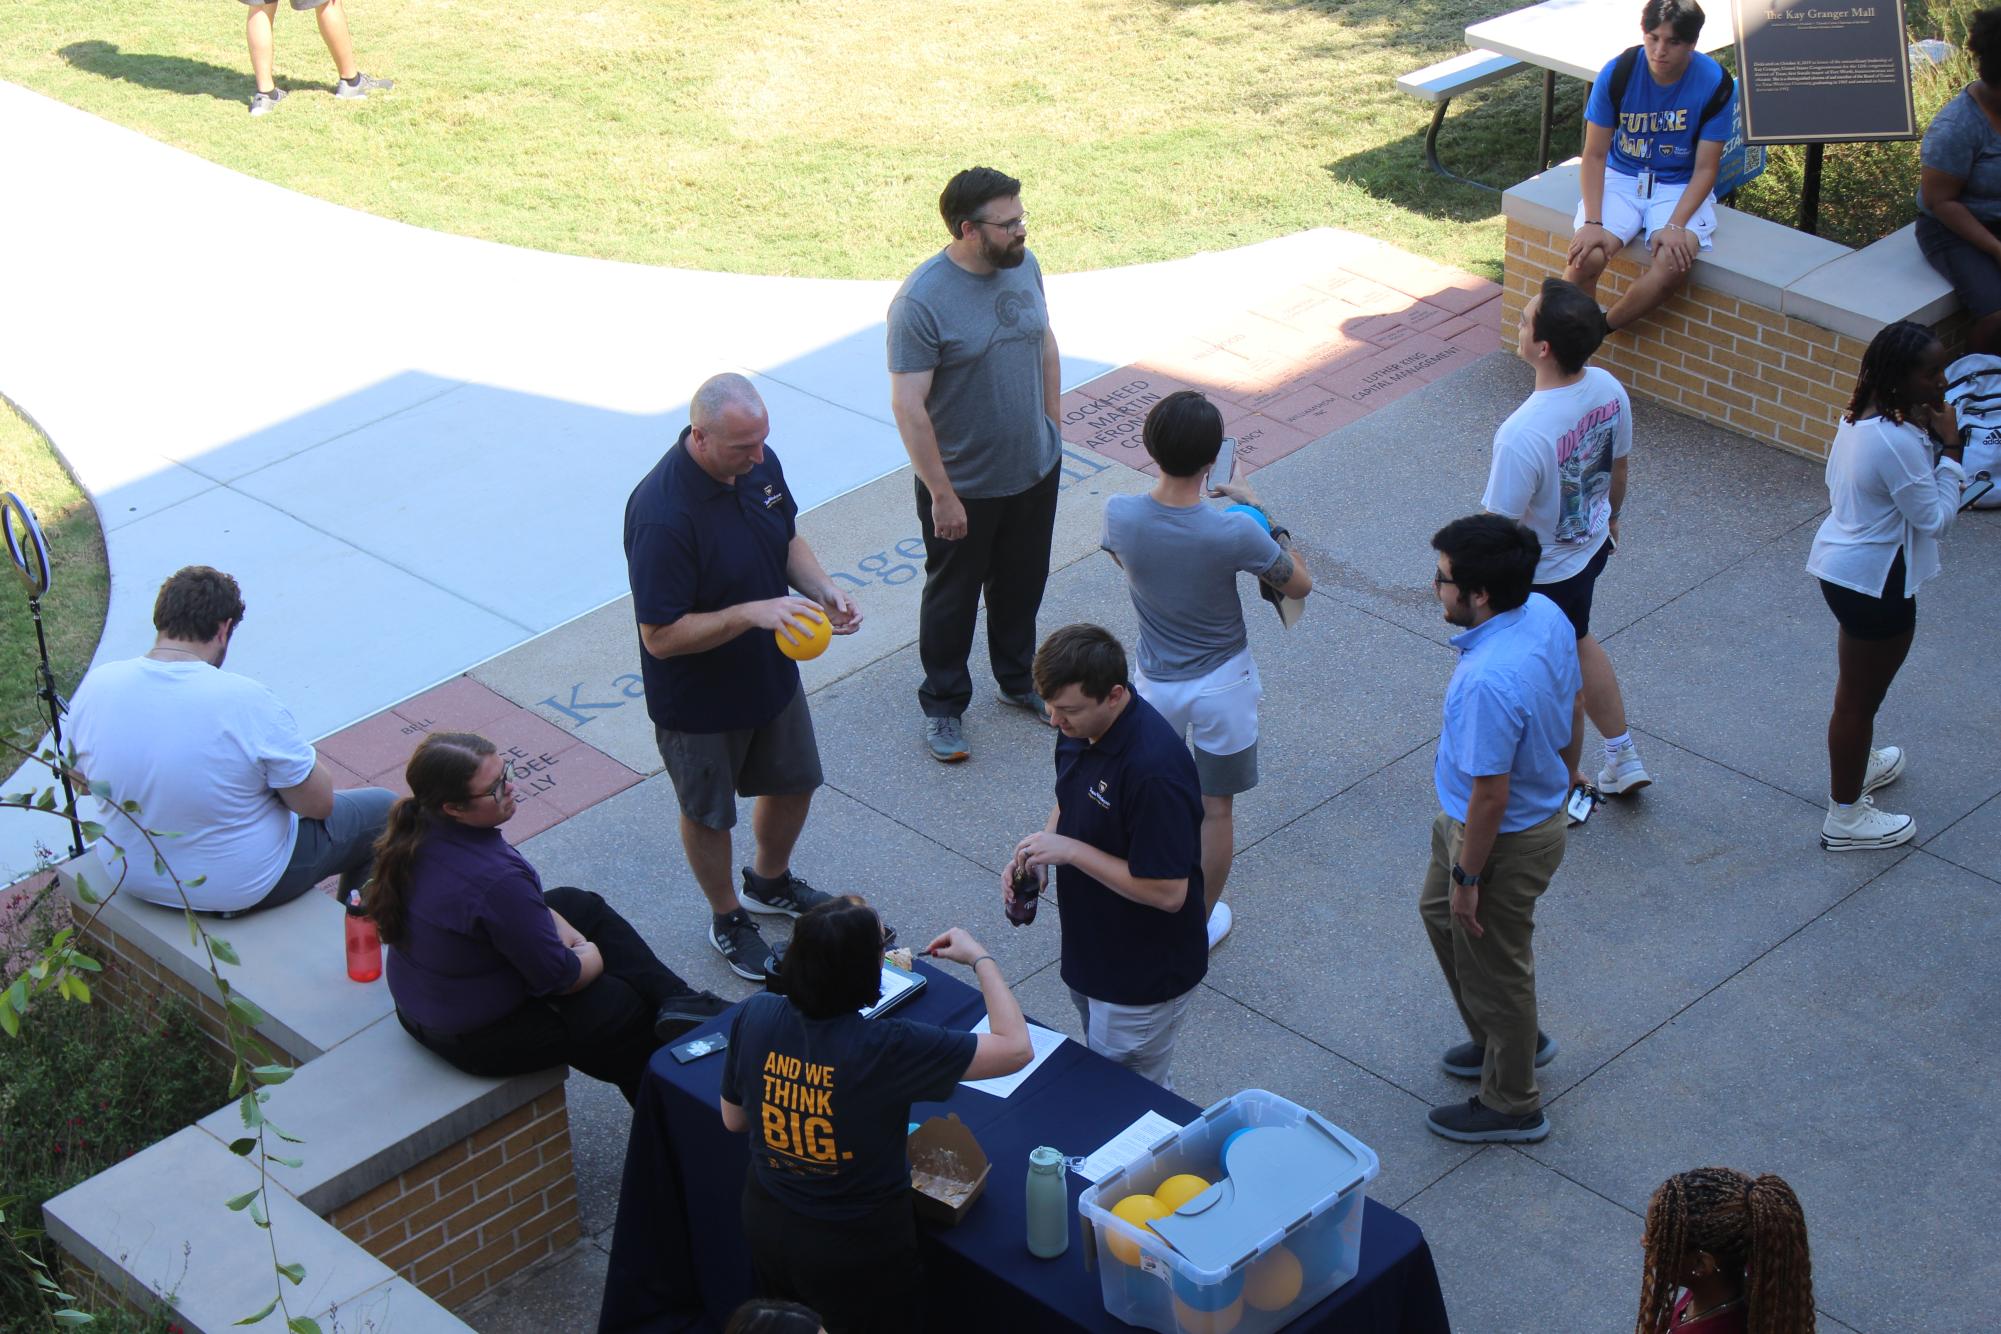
1650 162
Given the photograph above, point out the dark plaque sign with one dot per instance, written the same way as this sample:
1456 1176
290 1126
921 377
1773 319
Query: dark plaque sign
1819 71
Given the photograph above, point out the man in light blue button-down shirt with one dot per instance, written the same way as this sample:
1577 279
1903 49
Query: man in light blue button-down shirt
1502 775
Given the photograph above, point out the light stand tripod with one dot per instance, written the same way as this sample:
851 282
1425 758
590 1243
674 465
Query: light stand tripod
29 552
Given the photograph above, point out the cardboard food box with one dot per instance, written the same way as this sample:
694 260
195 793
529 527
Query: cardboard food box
948 1169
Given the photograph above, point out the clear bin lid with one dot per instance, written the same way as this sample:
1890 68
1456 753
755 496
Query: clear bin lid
1277 1175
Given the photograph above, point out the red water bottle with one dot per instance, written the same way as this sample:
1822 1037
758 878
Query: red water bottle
1027 889
364 946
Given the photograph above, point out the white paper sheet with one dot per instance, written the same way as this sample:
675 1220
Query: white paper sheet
1044 1041
1127 1145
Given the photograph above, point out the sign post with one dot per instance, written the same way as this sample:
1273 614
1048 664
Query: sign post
1817 72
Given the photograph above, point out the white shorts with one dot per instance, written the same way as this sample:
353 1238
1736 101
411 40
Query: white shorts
1627 215
1218 715
1139 1037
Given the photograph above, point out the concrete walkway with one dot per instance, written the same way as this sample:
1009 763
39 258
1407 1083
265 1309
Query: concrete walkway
372 425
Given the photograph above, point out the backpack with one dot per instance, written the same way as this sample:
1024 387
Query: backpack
1622 74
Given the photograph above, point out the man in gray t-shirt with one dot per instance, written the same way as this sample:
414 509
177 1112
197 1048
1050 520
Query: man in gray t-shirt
974 379
1182 557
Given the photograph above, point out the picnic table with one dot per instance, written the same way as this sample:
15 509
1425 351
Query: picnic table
1573 37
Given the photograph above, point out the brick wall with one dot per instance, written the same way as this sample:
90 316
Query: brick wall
136 982
1758 372
462 1220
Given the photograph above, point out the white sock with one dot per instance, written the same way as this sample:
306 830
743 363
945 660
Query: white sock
1614 744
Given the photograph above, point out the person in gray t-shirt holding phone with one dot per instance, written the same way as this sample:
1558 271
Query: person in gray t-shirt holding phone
1194 665
974 379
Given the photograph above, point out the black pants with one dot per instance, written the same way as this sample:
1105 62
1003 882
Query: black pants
859 1275
1005 554
605 1030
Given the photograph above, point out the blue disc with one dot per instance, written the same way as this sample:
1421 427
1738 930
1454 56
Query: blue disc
1263 522
1228 1140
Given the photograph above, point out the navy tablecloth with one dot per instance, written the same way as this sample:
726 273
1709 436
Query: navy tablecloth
679 1260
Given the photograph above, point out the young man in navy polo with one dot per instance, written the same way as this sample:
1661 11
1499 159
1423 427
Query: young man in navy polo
712 548
1127 831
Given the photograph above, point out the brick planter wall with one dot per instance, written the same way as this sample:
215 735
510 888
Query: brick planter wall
469 1216
1757 371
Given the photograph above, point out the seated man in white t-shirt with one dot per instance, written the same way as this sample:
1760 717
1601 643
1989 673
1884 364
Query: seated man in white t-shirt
1560 467
214 758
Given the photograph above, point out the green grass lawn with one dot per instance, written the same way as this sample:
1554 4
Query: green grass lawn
73 613
812 136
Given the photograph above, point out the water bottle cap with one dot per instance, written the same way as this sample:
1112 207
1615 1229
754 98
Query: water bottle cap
1045 1159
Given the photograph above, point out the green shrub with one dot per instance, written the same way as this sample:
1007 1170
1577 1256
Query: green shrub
81 1088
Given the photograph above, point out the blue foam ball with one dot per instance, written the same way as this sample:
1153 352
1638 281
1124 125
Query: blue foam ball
1262 521
1212 1298
1228 1140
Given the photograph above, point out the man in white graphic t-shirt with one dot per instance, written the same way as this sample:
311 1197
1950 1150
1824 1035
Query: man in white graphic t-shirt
1560 467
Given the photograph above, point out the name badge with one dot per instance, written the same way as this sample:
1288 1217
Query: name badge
1643 185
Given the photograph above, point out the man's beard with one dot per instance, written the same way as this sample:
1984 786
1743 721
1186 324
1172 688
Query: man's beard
1009 256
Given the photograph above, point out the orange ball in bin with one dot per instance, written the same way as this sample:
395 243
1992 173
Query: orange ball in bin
818 632
1179 1190
1220 1321
1274 1281
1139 1210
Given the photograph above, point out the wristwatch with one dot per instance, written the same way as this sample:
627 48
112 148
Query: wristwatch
1459 877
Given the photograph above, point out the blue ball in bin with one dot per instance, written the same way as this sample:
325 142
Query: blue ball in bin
1253 511
1228 1140
1318 1244
1212 1298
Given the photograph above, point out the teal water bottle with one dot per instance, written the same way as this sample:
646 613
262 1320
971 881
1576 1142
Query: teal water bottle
1048 1205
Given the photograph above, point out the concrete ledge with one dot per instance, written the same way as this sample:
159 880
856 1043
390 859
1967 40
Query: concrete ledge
154 1226
356 1142
293 967
1751 258
1860 291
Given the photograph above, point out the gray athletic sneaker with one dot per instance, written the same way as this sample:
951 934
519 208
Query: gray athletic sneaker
736 938
946 740
263 104
362 86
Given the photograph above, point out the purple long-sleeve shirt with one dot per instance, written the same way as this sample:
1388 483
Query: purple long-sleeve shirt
478 940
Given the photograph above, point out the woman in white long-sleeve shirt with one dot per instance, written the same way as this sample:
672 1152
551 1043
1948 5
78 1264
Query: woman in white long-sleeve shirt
1893 484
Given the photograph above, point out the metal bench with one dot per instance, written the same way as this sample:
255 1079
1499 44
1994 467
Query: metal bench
1442 82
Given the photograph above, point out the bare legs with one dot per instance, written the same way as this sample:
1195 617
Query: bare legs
1219 838
1653 287
1867 668
775 823
333 31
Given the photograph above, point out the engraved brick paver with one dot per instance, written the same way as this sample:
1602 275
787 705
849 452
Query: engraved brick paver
1299 363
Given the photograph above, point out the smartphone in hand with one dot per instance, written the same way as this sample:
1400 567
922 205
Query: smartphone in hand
1224 470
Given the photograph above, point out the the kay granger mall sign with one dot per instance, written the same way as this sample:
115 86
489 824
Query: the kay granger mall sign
1814 72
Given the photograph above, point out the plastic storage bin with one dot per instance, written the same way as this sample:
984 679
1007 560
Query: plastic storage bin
1278 1228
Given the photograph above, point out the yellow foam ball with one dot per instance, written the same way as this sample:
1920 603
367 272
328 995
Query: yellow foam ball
819 631
1274 1282
1179 1190
1220 1321
1139 1210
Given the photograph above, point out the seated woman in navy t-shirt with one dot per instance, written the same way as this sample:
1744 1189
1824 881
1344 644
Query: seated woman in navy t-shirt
826 1096
487 970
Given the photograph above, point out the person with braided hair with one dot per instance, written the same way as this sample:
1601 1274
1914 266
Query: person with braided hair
1893 484
1735 1246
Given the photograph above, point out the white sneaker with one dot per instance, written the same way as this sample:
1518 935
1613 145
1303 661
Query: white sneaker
1219 924
1886 766
1623 772
1862 827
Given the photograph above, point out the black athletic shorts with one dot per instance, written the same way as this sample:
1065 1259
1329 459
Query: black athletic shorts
1885 616
1574 594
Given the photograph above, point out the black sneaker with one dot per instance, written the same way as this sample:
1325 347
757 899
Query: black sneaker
788 894
1466 1059
683 1013
736 938
1474 1122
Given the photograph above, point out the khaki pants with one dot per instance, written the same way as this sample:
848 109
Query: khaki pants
1493 977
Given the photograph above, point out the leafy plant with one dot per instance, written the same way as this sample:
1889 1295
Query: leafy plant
61 971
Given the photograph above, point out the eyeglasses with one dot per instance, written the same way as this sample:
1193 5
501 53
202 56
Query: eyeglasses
505 782
1439 580
1018 224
